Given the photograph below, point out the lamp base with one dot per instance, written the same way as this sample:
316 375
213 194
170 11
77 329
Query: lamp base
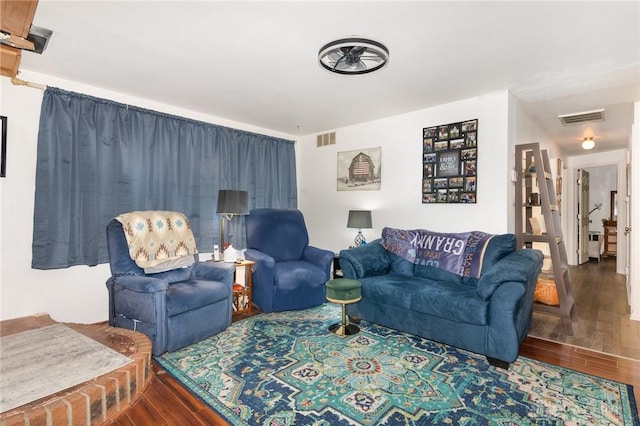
360 240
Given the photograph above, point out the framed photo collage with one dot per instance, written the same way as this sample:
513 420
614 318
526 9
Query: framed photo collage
449 160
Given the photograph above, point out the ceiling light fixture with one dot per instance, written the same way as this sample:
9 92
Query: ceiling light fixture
353 56
588 143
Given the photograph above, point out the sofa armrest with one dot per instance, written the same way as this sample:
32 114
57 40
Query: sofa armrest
139 283
215 271
521 266
365 261
319 257
260 257
264 269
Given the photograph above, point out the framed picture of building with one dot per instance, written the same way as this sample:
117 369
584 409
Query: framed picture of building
449 158
359 170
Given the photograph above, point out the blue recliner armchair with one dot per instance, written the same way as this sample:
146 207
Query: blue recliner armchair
289 273
174 308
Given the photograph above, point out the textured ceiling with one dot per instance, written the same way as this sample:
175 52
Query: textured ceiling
255 62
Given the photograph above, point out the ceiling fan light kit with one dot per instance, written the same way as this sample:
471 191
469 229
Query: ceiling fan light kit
588 143
353 56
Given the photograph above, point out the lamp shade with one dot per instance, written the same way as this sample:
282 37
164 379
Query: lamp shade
231 201
360 219
588 143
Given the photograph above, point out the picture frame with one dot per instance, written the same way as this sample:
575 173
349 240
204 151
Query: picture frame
449 160
3 147
359 170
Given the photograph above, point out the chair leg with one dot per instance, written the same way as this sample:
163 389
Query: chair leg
344 329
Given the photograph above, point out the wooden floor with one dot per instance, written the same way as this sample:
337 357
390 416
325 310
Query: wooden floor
596 288
602 310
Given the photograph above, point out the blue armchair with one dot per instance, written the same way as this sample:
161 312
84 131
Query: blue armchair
289 273
174 308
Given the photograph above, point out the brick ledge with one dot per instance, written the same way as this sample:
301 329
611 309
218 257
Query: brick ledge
96 401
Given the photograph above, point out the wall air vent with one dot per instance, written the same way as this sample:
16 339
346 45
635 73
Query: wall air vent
326 139
582 117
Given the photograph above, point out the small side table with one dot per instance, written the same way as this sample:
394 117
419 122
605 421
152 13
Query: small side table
337 270
242 300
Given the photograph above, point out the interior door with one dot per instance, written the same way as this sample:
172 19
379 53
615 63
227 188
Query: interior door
627 231
583 216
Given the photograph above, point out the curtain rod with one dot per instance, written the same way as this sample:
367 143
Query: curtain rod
18 82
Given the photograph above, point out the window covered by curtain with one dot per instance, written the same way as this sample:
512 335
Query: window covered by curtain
98 159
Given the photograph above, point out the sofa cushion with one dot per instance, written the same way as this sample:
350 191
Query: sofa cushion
515 267
392 289
193 294
437 274
499 246
289 275
400 265
454 302
367 260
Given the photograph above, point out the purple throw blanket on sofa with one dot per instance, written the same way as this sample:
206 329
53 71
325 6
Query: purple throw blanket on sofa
459 253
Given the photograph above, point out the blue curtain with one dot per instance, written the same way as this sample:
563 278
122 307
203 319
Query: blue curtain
98 159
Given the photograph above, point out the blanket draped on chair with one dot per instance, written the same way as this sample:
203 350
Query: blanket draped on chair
459 253
159 240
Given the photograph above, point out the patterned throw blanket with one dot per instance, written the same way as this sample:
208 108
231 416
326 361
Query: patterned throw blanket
459 253
159 240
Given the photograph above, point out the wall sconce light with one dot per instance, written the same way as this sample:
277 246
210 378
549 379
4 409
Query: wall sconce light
230 202
359 219
588 143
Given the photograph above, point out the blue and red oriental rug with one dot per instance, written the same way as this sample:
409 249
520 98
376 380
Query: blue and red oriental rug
287 369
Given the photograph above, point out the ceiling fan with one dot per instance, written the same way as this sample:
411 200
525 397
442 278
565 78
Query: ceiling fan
353 56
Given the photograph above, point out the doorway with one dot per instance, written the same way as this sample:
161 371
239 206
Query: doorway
607 173
584 234
601 213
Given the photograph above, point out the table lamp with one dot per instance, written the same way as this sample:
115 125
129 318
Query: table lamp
360 219
231 202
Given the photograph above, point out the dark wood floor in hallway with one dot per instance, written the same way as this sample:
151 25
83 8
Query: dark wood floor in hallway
602 310
596 288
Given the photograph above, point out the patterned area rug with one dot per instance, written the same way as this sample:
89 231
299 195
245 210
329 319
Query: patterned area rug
287 369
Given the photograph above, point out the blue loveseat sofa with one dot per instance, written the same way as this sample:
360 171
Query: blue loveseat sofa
410 283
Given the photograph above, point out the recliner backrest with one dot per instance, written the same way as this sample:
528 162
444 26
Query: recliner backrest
280 233
119 259
121 263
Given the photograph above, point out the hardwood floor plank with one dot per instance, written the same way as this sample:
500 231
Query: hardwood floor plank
170 406
143 413
190 401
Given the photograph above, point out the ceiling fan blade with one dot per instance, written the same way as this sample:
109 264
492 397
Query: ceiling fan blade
371 58
16 41
360 66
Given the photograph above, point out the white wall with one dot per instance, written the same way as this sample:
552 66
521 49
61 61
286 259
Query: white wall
399 201
76 294
526 130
